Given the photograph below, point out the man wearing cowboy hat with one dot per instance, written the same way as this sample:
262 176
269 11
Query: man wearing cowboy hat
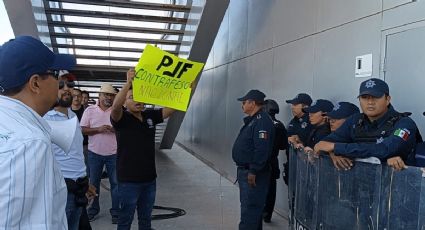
102 147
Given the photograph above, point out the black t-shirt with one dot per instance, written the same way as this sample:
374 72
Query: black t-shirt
79 112
136 146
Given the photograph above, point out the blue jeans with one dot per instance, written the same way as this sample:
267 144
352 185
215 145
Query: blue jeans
132 195
73 212
96 163
252 199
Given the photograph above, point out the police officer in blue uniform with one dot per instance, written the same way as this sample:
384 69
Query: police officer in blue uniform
380 131
317 115
337 117
420 153
299 127
280 143
251 152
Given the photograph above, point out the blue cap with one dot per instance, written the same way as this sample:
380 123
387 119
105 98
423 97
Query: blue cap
343 110
374 87
253 94
319 105
301 98
24 56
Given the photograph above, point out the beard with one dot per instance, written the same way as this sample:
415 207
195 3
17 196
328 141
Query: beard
107 103
64 101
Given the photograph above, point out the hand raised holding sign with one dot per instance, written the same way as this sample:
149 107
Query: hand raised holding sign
130 75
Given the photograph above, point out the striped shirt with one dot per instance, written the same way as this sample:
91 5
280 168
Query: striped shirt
33 193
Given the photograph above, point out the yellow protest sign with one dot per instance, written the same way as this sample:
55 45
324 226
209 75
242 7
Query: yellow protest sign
164 79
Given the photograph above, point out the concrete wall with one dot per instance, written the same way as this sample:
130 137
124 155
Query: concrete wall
283 47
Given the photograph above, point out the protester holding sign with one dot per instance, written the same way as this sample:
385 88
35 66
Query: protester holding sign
136 172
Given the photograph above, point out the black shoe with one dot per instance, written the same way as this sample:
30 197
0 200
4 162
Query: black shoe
92 217
114 219
266 217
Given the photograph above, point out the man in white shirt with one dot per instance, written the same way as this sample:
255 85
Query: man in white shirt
32 189
71 161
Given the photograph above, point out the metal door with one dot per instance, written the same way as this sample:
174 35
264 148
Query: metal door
404 72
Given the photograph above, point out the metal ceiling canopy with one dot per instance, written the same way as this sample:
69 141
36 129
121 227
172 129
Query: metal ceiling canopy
108 36
121 69
113 38
132 5
108 58
109 15
114 28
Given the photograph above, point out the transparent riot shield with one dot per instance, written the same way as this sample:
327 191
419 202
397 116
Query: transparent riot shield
402 199
349 199
306 193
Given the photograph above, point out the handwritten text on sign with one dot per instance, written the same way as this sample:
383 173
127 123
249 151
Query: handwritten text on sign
164 79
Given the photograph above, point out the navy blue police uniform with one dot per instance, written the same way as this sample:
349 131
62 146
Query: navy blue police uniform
420 152
280 143
300 125
393 134
251 152
389 136
420 155
318 132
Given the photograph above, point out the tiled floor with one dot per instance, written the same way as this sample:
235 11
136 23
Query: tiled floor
211 202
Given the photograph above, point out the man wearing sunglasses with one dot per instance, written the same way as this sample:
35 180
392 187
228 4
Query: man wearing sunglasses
71 162
32 189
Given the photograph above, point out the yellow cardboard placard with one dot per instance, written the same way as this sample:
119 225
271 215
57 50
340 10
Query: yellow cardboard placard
164 79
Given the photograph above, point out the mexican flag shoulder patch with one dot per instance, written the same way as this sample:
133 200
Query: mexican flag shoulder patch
402 133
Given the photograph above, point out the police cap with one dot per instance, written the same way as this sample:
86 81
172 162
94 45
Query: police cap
254 94
343 110
301 98
374 87
319 105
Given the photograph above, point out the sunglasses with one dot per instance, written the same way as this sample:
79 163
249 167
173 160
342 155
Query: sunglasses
69 84
54 73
